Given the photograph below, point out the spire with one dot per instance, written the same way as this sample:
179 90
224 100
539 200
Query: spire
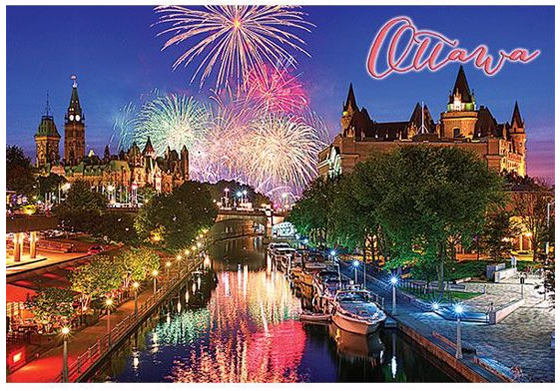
74 107
516 117
462 87
47 106
351 100
149 149
107 153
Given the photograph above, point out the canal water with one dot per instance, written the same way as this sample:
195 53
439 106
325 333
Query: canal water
240 325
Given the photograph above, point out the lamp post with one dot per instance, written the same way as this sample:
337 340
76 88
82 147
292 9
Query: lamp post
458 309
154 274
108 304
356 264
65 331
167 267
135 286
394 282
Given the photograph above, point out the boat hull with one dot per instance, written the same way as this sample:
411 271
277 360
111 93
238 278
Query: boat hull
353 325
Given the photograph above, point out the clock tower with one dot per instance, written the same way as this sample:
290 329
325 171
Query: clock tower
74 129
47 139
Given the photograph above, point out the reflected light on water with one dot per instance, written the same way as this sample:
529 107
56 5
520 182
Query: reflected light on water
250 334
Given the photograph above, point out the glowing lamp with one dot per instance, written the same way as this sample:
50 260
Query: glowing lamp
458 308
356 263
394 280
333 253
435 306
135 285
65 330
155 273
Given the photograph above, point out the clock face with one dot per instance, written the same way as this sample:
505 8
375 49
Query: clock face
71 117
77 118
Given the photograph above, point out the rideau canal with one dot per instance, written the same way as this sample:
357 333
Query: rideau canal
240 324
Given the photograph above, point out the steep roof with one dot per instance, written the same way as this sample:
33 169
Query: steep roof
149 148
516 116
351 100
74 106
47 127
416 118
486 124
461 86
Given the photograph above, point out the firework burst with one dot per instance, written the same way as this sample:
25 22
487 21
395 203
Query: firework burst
231 40
171 121
276 90
280 152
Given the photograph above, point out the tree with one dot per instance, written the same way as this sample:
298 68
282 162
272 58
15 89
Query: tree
20 173
532 206
50 184
82 208
499 227
96 279
428 200
51 307
136 264
117 226
311 215
178 216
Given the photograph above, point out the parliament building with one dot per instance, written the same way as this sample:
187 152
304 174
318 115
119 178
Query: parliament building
462 124
124 172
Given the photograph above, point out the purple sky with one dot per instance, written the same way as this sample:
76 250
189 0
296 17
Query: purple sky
116 55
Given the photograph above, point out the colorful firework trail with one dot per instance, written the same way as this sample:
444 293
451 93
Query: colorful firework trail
229 41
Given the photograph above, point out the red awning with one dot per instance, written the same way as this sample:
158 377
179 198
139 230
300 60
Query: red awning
16 294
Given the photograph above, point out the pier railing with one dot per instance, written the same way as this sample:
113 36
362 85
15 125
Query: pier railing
104 345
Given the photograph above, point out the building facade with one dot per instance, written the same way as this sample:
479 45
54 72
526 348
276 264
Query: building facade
463 124
120 175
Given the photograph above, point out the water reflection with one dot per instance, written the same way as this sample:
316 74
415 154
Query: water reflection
240 325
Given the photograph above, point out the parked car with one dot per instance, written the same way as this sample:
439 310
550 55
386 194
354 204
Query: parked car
95 250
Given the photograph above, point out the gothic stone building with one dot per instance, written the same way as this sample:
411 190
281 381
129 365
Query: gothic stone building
463 124
125 172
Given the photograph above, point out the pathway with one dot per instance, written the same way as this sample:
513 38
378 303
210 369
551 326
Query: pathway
46 368
522 339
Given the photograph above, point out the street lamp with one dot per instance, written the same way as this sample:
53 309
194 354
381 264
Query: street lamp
167 267
135 286
154 274
65 331
394 281
356 264
435 306
109 304
458 309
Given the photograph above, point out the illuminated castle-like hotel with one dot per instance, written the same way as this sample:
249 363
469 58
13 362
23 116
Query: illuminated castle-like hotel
127 171
463 124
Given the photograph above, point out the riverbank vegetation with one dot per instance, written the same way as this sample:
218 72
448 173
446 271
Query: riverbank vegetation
413 206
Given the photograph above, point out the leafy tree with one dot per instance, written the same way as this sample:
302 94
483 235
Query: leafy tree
532 206
136 264
96 279
117 226
20 173
178 216
499 227
51 307
50 184
82 208
311 215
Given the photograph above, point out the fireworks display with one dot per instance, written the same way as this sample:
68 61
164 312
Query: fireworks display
264 145
258 128
229 41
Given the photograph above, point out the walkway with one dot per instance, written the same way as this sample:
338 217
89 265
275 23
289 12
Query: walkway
46 368
522 339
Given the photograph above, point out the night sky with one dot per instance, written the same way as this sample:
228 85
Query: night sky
116 55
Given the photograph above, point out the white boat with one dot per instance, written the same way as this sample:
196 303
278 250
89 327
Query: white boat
355 311
314 317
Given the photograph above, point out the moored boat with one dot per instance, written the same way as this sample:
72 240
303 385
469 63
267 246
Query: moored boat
355 311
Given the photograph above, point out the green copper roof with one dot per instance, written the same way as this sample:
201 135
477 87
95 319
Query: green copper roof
47 127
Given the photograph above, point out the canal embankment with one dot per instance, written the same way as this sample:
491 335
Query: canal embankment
427 330
88 347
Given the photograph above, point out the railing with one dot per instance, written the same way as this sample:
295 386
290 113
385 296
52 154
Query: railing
98 350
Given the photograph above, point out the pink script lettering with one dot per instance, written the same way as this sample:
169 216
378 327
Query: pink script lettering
412 50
